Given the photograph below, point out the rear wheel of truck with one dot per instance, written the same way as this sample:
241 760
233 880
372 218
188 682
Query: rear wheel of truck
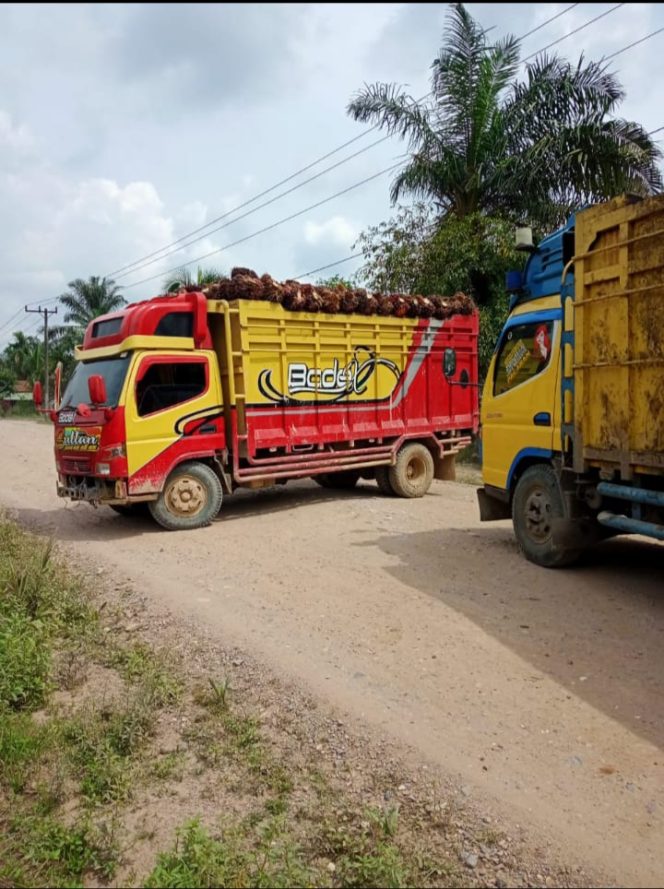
537 501
412 474
343 480
191 498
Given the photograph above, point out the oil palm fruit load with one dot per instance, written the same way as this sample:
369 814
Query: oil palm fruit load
297 297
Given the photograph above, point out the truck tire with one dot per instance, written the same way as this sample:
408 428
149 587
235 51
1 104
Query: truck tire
537 500
383 481
343 480
412 474
191 498
130 510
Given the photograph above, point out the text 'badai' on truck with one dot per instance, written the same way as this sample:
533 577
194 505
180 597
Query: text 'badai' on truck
573 405
179 400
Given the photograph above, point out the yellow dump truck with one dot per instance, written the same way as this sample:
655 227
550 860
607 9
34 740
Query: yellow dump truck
572 418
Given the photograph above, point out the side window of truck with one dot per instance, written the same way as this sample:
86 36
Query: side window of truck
524 352
165 385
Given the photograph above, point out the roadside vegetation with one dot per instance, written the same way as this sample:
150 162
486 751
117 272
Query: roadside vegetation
96 724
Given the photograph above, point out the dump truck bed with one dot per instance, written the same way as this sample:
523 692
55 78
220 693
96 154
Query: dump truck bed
618 323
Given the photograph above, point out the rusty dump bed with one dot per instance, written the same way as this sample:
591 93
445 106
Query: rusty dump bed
618 322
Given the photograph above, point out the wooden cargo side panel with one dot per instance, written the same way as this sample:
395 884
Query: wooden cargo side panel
619 337
311 379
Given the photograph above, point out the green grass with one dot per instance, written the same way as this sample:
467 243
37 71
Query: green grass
140 664
199 861
49 632
68 773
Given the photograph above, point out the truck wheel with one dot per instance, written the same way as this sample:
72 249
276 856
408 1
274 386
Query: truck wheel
130 509
383 481
537 500
191 498
412 474
343 480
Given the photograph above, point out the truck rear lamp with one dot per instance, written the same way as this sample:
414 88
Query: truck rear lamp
116 450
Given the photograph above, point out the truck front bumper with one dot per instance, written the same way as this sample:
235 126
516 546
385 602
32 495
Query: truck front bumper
93 490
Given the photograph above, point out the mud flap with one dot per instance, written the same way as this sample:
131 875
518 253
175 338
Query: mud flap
444 468
492 509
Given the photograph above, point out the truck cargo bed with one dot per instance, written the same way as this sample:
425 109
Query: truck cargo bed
618 370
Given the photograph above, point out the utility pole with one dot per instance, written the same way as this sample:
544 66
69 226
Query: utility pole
45 313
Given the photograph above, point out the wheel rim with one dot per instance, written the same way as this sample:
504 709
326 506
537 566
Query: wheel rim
186 496
416 469
538 514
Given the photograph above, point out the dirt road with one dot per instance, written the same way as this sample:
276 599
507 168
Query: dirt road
543 692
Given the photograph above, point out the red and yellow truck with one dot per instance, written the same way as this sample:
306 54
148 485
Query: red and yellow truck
178 400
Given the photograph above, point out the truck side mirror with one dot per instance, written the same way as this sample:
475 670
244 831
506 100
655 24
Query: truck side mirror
97 389
37 395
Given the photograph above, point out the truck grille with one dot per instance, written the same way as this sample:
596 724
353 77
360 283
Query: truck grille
75 465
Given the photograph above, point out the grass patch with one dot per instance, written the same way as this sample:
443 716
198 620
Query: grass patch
199 861
70 762
49 636
141 665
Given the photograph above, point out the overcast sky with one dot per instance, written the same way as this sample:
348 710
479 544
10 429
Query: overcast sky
124 127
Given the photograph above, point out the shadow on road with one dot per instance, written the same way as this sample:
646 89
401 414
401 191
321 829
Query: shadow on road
83 522
598 628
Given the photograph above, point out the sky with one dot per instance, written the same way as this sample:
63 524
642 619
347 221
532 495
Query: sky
125 127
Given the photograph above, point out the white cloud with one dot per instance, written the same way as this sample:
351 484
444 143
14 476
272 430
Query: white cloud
17 138
336 231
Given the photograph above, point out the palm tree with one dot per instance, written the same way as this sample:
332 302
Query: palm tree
24 357
89 299
531 149
183 278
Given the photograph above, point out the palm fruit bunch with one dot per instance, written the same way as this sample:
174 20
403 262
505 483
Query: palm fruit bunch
298 297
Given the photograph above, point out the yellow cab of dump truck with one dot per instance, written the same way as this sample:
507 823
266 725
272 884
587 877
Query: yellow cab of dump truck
572 417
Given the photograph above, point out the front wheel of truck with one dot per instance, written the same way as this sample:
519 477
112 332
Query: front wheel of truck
191 498
537 501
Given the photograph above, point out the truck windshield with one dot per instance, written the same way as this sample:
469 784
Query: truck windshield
113 370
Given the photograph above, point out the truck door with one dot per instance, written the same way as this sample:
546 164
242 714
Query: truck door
520 401
173 409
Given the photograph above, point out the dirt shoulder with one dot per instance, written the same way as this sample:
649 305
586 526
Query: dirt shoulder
137 751
539 693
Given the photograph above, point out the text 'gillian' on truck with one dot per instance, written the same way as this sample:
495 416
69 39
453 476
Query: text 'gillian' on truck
179 400
572 420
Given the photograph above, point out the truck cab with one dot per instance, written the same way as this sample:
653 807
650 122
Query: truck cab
146 391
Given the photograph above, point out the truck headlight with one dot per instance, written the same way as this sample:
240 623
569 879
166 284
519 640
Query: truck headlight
104 468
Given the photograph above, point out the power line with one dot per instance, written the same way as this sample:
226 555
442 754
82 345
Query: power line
163 252
254 209
267 227
548 21
139 262
575 31
636 43
13 318
299 213
330 265
251 200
